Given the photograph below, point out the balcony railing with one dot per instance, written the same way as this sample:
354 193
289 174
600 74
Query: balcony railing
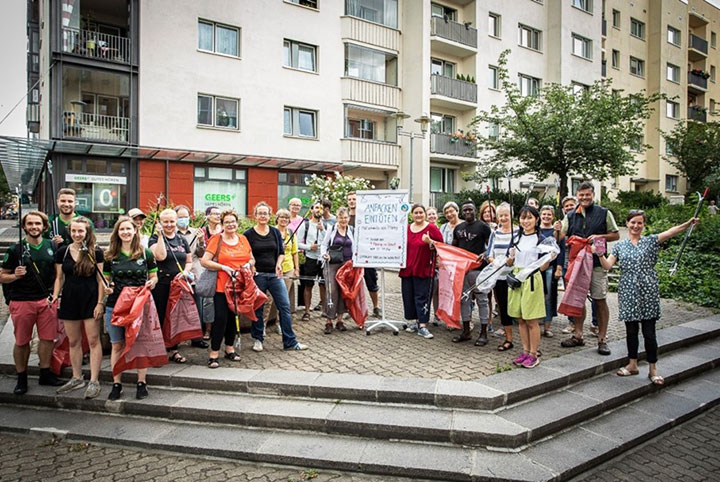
96 127
370 152
457 89
457 32
697 114
698 44
443 144
96 45
697 80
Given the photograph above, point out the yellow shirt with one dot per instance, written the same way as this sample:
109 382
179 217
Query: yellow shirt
291 249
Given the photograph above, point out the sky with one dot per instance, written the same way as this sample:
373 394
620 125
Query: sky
13 58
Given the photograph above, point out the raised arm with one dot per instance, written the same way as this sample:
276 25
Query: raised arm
675 230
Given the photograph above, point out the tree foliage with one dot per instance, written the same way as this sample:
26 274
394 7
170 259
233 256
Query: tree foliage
561 132
336 189
695 148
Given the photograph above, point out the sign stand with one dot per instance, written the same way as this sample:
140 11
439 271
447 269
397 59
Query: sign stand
393 325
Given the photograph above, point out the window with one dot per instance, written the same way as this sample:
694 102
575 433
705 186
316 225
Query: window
579 89
493 79
585 5
529 85
384 12
299 55
615 59
529 37
712 73
442 123
637 28
300 122
293 184
637 67
441 11
582 46
305 3
442 179
712 106
713 39
442 67
493 131
371 124
223 187
673 73
369 64
636 145
668 150
361 128
672 109
218 111
494 25
221 39
673 36
616 18
671 183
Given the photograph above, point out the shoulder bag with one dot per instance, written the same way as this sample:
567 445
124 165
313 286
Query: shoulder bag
206 284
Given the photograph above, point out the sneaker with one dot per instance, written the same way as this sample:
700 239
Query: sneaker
520 359
412 328
72 384
318 307
115 392
340 326
436 322
530 362
258 345
328 328
603 348
548 334
297 347
92 390
594 331
569 329
279 329
572 342
141 391
376 313
425 333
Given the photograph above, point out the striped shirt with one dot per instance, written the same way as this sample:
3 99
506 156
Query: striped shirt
498 245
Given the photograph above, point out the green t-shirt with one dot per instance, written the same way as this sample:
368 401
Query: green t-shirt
40 263
126 271
63 229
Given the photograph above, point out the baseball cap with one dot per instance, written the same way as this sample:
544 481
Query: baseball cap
134 212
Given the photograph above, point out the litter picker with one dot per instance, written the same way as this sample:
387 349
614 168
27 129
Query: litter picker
53 202
701 198
94 262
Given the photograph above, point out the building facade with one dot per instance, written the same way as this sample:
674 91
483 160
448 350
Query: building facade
229 103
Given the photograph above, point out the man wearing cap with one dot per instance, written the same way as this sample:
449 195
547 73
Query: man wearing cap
138 218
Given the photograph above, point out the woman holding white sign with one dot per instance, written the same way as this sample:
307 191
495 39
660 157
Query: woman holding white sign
335 250
417 275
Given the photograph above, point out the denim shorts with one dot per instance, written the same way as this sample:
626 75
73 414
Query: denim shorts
117 333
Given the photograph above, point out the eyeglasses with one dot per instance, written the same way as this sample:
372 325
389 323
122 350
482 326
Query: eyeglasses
262 214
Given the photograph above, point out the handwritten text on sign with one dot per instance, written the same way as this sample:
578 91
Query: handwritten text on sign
381 221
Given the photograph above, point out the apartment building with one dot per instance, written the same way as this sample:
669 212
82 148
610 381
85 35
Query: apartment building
232 102
667 46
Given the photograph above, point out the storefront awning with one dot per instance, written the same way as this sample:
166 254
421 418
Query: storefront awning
23 159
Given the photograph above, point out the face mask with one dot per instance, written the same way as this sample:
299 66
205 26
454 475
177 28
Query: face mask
183 222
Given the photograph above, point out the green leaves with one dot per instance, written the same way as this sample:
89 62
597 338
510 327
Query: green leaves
695 149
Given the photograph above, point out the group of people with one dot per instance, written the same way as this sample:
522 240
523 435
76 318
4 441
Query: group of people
58 276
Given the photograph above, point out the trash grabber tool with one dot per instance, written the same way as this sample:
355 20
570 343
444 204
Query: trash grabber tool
701 198
92 259
56 228
20 226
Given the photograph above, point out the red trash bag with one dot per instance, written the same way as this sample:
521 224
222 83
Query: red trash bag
242 295
352 282
578 277
453 263
144 346
61 352
182 320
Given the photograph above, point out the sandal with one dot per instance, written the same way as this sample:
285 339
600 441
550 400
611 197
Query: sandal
176 357
206 336
500 333
507 345
213 363
657 380
232 356
306 317
624 372
481 341
462 337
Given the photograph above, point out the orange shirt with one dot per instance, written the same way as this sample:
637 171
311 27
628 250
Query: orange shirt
233 256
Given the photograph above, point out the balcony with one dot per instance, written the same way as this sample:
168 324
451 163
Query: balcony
452 38
33 117
443 144
96 45
697 83
96 127
698 48
370 33
696 113
452 93
370 92
369 152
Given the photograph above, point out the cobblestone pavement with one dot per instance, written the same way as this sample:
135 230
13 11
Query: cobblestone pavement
687 452
28 459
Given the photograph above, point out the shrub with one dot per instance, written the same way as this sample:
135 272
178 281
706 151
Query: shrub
641 199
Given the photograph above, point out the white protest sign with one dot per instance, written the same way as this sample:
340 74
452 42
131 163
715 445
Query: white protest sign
381 221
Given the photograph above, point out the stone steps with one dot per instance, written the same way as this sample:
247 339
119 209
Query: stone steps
560 457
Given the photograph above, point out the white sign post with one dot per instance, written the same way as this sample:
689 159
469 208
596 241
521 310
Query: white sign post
381 221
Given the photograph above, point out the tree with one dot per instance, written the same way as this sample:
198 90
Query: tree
562 132
695 148
336 189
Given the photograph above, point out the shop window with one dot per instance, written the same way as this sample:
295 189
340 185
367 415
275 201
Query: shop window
293 184
223 187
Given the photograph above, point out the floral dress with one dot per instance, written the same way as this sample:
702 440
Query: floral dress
638 290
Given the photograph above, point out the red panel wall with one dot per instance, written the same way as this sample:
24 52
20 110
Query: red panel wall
151 183
262 186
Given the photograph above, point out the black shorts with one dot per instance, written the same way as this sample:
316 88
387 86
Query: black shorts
371 280
312 268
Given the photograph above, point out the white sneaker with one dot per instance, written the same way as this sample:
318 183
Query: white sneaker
279 329
258 346
425 333
298 347
72 384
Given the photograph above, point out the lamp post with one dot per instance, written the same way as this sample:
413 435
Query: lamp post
423 120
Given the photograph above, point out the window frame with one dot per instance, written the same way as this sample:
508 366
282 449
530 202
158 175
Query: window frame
673 183
497 25
532 33
586 45
448 179
640 67
443 119
713 39
295 46
674 68
676 33
640 25
579 5
618 24
532 81
615 59
449 12
215 26
213 112
384 11
299 3
443 64
349 45
672 109
295 122
496 77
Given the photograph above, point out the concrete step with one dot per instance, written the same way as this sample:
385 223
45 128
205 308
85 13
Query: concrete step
552 458
510 427
489 393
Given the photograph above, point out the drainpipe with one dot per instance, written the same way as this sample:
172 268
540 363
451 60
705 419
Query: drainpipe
167 180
